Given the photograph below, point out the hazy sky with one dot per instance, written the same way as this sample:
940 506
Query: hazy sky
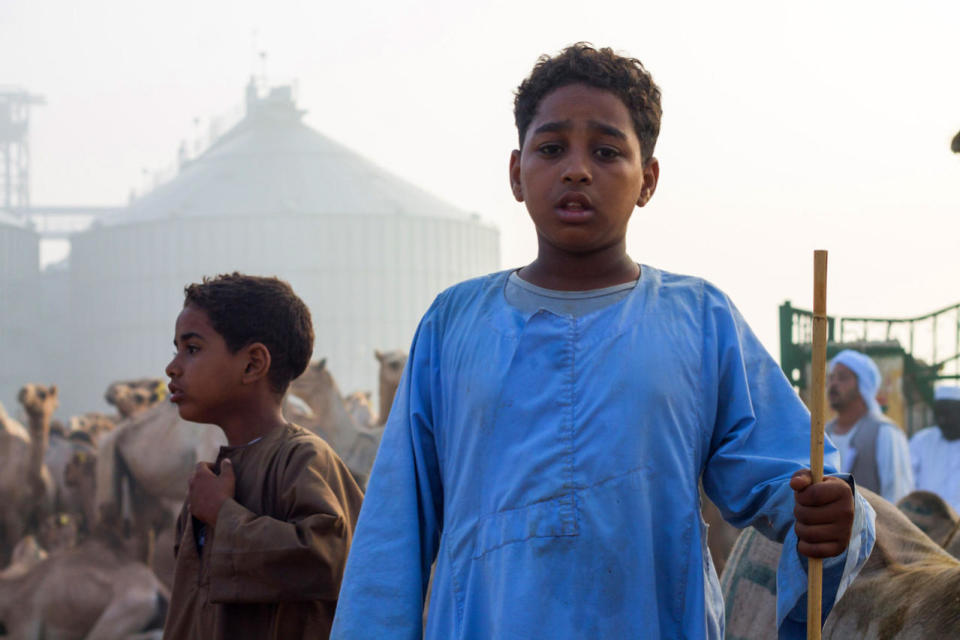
787 126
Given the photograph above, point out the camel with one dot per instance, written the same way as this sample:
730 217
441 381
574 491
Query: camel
80 478
14 448
158 450
39 403
934 517
907 588
94 424
328 416
392 364
26 486
61 449
132 397
88 591
360 409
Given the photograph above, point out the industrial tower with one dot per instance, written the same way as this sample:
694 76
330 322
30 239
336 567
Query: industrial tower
15 106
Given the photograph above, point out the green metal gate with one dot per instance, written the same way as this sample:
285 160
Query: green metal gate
923 350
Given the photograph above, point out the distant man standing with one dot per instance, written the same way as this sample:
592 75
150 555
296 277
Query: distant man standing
871 447
935 451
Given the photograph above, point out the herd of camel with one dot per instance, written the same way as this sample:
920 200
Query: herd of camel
88 510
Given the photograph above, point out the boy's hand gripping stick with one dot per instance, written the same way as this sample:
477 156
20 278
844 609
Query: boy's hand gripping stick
817 397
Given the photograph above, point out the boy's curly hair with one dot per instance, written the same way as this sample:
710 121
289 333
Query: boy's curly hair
246 309
581 63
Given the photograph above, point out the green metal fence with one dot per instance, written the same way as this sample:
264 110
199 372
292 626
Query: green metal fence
929 345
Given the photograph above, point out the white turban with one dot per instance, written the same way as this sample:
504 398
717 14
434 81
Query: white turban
868 375
946 393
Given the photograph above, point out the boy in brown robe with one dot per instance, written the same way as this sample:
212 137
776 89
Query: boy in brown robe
263 535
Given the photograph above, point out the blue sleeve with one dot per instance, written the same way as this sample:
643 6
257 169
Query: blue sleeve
760 427
398 530
760 437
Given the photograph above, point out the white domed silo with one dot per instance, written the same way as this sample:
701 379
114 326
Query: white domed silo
21 346
365 250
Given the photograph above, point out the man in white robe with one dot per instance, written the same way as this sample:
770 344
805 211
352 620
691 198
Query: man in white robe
871 447
935 451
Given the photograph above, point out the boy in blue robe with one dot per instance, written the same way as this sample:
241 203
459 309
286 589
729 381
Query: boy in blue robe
553 423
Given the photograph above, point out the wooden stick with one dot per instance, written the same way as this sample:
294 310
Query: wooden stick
817 396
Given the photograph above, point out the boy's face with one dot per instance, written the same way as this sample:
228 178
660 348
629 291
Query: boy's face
204 375
580 171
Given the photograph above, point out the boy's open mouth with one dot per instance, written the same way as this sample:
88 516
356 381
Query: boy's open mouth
574 207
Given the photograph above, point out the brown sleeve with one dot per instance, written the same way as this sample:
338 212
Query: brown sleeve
261 559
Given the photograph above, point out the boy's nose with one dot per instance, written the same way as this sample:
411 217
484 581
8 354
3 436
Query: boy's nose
577 178
170 368
577 170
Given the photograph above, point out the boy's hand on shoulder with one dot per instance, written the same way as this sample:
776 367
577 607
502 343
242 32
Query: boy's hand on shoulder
824 514
208 491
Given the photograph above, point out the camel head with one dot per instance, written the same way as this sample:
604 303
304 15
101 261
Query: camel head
132 398
360 408
91 426
931 514
391 365
38 401
315 376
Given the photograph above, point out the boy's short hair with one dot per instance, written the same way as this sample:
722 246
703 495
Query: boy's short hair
580 63
246 309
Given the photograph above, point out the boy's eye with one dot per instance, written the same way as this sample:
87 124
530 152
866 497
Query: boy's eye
607 153
189 348
549 149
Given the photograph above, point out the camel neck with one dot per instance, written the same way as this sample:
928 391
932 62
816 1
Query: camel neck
39 442
387 391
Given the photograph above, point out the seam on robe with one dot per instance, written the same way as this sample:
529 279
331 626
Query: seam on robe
544 519
568 508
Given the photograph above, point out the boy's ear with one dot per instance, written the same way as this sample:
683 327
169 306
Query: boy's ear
515 185
258 362
651 175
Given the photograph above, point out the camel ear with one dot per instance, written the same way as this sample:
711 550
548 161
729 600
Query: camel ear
379 354
321 364
53 390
